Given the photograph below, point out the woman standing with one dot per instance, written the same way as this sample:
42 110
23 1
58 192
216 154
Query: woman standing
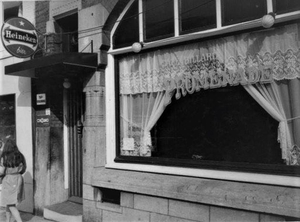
12 166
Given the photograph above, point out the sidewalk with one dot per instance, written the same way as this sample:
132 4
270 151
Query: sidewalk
26 217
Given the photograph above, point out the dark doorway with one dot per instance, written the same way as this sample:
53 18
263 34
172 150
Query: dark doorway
75 114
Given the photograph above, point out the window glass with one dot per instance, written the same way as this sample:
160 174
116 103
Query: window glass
8 119
196 15
127 31
281 7
158 19
224 124
235 11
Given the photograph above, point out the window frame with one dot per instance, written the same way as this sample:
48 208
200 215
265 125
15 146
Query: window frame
254 174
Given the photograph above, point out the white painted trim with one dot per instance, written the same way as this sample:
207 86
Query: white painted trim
210 174
176 18
219 13
110 107
66 139
141 21
269 6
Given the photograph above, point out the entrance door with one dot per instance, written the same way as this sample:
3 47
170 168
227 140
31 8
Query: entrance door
75 112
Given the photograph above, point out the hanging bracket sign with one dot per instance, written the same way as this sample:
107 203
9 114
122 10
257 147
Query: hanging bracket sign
19 37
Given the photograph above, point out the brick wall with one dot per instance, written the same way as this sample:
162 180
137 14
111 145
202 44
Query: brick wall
136 207
41 17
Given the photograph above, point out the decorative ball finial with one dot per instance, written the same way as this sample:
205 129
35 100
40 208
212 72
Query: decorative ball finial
268 20
137 47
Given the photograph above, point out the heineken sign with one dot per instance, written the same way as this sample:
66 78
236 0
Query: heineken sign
19 37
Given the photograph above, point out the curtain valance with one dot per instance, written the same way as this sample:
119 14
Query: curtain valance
260 56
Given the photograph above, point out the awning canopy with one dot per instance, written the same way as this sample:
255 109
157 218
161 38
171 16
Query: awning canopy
63 64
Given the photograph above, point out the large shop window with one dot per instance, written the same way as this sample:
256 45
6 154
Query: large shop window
230 103
8 117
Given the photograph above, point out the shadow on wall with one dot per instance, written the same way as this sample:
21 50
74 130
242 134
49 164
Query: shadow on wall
24 99
27 204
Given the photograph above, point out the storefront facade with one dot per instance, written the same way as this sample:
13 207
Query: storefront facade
201 114
15 99
167 110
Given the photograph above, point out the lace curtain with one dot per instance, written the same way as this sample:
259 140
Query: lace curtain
281 101
139 113
275 50
264 57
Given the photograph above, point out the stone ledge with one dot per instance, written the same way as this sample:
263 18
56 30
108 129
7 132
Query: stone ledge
261 198
54 216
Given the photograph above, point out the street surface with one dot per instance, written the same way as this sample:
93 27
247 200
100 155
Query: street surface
26 217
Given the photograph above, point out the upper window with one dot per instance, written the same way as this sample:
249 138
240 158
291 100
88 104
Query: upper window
68 29
196 15
155 20
236 11
158 19
128 28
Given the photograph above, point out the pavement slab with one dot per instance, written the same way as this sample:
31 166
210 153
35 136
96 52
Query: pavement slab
26 217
